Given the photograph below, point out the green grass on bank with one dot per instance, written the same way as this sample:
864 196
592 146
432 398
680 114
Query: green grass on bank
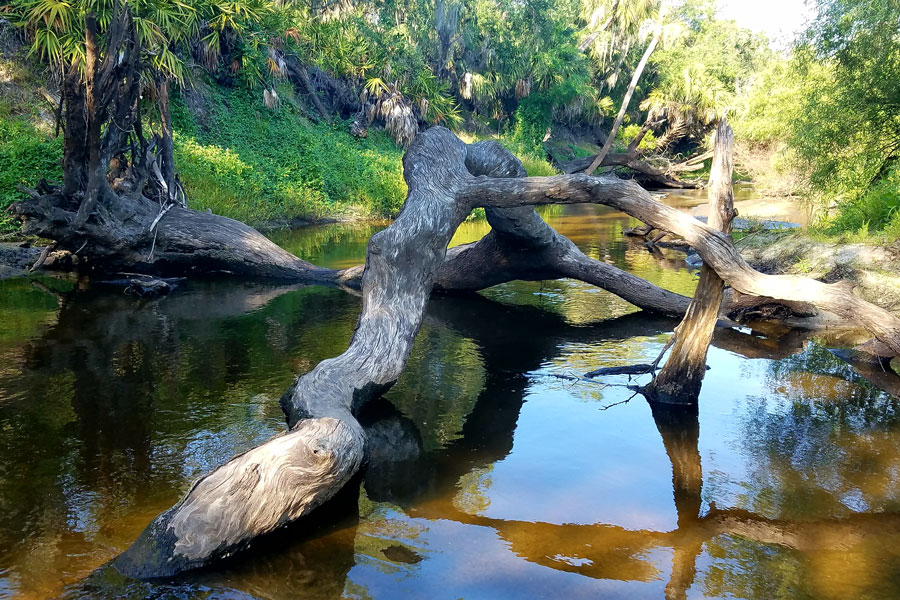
235 157
28 149
26 155
242 160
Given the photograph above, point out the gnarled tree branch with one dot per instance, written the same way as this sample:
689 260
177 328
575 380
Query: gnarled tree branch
290 475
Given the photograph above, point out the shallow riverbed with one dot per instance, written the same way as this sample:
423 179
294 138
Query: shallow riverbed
490 477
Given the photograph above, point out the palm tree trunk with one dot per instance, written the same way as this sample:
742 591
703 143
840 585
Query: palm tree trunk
618 122
96 171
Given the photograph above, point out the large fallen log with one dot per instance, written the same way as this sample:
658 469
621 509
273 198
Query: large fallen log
289 476
716 249
521 246
632 161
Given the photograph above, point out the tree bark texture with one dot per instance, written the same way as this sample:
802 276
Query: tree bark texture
680 379
715 248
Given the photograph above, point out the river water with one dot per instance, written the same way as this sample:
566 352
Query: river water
490 477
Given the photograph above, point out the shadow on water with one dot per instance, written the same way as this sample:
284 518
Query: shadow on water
488 477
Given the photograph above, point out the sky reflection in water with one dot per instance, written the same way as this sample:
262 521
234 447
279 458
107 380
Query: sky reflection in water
490 478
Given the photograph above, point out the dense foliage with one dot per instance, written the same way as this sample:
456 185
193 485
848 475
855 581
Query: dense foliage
518 69
521 71
257 165
833 107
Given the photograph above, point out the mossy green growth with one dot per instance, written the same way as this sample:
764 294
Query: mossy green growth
247 162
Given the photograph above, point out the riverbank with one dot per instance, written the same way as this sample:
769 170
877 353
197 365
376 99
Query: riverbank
872 270
236 157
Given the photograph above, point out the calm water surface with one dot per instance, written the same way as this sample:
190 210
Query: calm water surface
489 478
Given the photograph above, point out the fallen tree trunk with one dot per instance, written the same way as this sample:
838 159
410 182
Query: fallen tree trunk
631 161
289 476
716 249
694 163
120 236
680 379
521 246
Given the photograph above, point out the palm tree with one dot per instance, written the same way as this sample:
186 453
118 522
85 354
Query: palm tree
658 32
611 28
108 56
687 101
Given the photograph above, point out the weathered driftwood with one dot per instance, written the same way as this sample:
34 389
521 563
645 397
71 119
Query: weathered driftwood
287 477
715 248
680 379
118 237
261 490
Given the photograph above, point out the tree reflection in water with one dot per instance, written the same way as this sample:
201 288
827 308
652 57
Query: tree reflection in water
115 406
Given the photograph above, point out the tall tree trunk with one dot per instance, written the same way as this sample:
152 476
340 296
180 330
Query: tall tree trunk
166 143
75 154
680 379
101 112
96 171
625 101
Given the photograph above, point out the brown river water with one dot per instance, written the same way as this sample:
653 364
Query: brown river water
489 478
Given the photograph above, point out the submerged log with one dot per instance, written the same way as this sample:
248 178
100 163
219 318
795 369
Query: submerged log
680 379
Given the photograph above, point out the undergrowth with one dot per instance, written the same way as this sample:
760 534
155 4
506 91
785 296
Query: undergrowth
235 157
868 216
244 161
28 150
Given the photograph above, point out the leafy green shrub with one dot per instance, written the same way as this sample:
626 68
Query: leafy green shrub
257 165
533 117
875 210
26 155
628 133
